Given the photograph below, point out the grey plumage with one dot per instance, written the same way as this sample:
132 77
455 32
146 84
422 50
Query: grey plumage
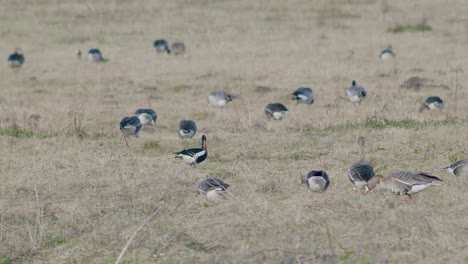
211 184
276 111
316 180
147 116
130 125
178 48
304 94
404 182
459 168
356 93
187 128
362 171
219 98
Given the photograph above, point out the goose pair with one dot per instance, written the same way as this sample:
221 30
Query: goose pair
214 188
316 180
194 156
161 45
16 59
356 93
304 94
131 125
219 98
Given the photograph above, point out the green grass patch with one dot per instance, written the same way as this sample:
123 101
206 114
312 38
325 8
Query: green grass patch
16 132
6 260
420 27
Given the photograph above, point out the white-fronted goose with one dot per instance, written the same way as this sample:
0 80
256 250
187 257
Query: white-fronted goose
459 168
404 182
178 48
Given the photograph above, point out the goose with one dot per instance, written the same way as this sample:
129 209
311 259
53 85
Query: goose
356 93
219 98
316 181
433 102
194 156
361 172
459 168
16 59
178 48
78 54
303 94
130 126
214 188
95 55
161 45
404 182
146 116
187 128
387 53
276 111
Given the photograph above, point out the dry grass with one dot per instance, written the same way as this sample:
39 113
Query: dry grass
72 192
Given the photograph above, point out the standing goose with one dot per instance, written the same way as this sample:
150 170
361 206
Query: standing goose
361 172
187 128
356 93
194 156
16 59
95 55
214 188
316 181
387 53
178 48
432 102
304 94
219 98
276 111
146 116
130 126
161 45
459 168
404 182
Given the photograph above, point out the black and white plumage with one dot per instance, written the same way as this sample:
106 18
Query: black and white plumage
187 128
304 94
276 111
362 171
404 182
316 180
459 168
177 48
387 53
161 45
147 116
95 55
130 126
219 98
194 156
433 102
356 93
16 59
214 188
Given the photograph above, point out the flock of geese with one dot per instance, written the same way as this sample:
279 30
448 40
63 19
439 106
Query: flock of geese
361 174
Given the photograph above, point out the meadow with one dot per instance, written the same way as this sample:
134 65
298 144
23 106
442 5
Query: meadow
72 192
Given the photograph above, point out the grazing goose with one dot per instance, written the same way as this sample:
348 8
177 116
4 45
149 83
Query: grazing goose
130 126
404 182
16 59
94 55
187 128
316 181
361 172
387 53
433 102
276 111
459 168
146 116
303 94
194 156
356 93
219 98
214 188
161 45
178 48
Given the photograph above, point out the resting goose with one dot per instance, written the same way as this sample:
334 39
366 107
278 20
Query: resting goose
161 45
361 172
130 126
16 59
276 111
387 53
404 182
219 98
316 181
356 93
178 48
433 102
214 188
146 116
459 168
187 128
194 156
95 55
304 94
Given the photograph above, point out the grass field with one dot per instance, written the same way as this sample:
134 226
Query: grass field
72 192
